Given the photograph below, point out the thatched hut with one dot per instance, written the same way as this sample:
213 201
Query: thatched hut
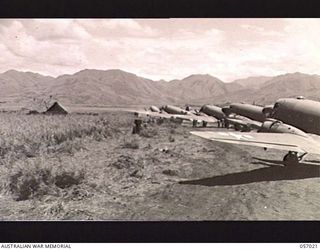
56 109
42 106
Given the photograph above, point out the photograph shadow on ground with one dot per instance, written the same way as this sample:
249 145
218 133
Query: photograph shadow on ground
274 172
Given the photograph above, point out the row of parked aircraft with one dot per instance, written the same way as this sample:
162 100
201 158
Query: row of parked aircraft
291 124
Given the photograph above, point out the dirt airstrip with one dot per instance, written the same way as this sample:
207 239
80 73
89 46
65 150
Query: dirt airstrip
165 173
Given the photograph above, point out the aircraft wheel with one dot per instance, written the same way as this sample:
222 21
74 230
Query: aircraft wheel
237 127
245 129
291 159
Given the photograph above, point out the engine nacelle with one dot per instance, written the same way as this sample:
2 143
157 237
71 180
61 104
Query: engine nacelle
212 110
253 112
154 109
268 111
275 126
227 110
174 110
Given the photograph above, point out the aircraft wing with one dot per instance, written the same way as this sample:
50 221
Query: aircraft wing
201 118
190 117
161 115
140 113
281 141
245 122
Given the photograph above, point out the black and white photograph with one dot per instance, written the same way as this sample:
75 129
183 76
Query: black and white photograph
170 119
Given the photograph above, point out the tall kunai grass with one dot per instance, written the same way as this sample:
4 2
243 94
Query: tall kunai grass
31 147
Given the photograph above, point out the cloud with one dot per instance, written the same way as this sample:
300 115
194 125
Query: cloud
60 29
261 50
40 50
75 44
166 48
116 27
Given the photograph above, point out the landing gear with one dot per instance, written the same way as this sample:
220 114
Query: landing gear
226 124
242 128
237 127
194 123
292 159
204 124
138 126
301 156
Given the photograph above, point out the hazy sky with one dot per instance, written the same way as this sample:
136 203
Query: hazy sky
162 48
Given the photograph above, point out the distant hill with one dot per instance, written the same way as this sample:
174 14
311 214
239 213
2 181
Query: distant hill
195 88
289 85
253 82
16 84
117 87
109 87
266 90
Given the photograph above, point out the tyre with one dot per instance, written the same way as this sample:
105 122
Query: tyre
290 160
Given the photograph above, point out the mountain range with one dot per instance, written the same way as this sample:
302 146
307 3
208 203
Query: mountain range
117 87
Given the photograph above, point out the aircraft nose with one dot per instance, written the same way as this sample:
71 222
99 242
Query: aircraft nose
226 110
268 111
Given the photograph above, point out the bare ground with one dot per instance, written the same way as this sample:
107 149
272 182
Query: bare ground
168 174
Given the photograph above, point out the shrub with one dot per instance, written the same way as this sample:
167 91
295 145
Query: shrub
29 136
149 132
170 172
67 179
128 166
172 131
28 180
134 144
124 162
171 139
28 184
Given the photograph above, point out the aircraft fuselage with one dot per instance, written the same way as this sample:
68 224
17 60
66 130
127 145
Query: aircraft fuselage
248 110
154 109
301 113
170 109
214 111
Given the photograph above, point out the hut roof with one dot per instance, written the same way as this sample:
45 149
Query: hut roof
56 108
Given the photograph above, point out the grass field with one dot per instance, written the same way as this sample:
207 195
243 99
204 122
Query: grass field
36 153
91 167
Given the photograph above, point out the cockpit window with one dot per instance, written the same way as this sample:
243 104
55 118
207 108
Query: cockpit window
275 124
276 105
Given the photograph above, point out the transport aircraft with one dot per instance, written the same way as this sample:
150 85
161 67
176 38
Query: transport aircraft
293 125
246 117
216 112
206 114
251 111
229 116
175 113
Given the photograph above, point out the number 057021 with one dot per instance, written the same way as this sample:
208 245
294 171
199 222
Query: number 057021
308 245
